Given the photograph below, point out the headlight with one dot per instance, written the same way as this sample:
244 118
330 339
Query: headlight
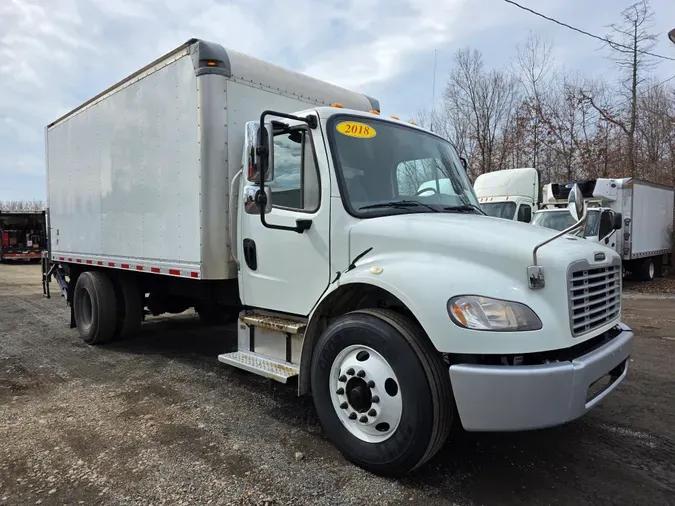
483 313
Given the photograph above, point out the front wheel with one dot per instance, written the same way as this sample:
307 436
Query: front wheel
381 391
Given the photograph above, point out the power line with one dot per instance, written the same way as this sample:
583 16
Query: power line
579 30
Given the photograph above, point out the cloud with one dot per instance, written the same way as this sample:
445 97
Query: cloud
57 54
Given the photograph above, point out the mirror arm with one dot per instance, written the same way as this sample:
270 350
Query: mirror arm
559 234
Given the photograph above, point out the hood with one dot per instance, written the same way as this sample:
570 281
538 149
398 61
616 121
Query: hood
492 242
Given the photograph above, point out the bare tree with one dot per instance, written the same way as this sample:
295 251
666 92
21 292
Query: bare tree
630 40
22 205
533 66
480 103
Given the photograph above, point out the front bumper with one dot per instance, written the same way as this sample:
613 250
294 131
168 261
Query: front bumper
512 398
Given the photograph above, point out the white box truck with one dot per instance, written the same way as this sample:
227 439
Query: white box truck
213 180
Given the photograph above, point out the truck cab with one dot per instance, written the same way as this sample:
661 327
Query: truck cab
511 194
601 225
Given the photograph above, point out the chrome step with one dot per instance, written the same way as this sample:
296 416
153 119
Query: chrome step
259 364
272 322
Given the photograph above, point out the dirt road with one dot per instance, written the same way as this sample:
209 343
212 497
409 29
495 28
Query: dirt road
157 420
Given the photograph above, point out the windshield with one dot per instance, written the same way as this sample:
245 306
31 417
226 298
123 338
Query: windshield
385 168
499 209
557 220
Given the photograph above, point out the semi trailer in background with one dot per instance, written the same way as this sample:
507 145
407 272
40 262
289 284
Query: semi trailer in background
349 249
22 235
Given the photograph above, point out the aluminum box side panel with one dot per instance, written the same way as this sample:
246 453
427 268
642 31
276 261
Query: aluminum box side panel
652 217
124 173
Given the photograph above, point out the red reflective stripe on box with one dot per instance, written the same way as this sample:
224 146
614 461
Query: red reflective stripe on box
174 272
139 267
61 258
111 264
89 262
78 260
154 269
99 262
194 274
70 259
125 266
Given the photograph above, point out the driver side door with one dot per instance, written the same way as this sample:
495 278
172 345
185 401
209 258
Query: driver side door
284 270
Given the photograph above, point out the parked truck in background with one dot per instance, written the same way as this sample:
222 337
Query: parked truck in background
512 194
22 235
213 180
631 216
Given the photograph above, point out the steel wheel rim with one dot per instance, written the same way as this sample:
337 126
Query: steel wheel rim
365 393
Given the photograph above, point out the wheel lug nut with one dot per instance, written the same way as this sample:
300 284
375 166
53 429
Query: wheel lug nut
372 412
342 378
361 373
340 391
363 419
352 416
350 371
375 399
344 405
371 384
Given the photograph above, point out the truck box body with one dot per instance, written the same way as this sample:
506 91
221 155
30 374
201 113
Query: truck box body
138 177
650 209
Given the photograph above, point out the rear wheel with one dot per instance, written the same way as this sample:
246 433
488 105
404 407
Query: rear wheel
647 269
382 392
95 307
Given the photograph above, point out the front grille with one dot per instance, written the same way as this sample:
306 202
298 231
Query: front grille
594 297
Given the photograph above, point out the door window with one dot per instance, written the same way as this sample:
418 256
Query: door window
525 213
296 178
605 224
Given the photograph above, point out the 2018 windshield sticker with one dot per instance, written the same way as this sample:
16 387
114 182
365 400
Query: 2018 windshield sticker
356 129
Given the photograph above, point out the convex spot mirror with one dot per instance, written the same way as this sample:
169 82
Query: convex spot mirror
259 150
575 202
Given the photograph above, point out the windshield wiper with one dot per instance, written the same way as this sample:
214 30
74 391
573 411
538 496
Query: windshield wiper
466 208
399 204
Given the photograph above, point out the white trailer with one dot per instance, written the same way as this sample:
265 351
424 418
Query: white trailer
349 247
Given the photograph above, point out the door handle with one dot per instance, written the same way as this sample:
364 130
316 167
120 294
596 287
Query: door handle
250 255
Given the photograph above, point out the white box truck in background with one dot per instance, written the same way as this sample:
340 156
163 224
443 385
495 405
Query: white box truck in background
213 180
512 194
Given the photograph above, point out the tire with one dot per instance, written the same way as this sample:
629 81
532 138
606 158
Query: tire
647 270
427 405
129 307
95 307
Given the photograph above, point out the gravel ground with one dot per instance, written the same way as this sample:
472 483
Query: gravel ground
157 420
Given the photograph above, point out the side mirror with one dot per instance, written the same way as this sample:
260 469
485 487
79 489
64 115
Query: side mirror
465 164
575 203
618 221
252 204
259 151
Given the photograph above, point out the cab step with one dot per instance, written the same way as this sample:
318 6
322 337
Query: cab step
268 367
273 322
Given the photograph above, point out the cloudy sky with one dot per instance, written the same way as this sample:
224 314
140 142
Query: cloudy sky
54 54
